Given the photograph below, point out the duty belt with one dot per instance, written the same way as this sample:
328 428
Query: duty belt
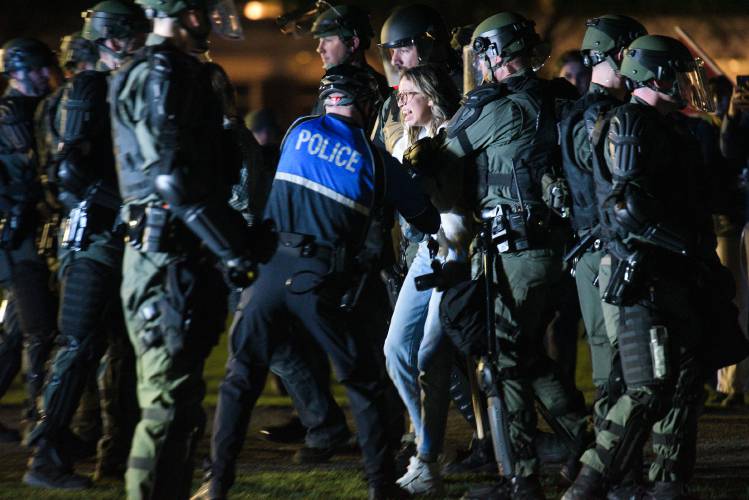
303 245
152 228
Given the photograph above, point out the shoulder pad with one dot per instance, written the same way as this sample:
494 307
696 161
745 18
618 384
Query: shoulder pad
16 124
473 103
88 85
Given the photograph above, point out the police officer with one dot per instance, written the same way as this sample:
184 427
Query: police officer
90 261
329 184
343 34
662 241
11 348
507 127
605 40
179 224
32 70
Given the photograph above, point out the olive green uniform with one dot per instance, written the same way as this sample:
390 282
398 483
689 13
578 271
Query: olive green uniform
174 298
500 132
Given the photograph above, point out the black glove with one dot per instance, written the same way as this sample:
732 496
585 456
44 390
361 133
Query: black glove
422 157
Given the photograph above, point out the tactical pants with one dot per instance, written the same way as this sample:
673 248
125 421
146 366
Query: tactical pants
586 271
29 280
262 324
11 345
522 311
90 315
667 406
175 309
305 373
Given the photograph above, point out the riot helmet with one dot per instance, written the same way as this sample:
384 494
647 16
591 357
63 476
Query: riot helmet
30 62
418 29
607 36
349 85
345 21
114 19
75 49
665 65
198 17
506 35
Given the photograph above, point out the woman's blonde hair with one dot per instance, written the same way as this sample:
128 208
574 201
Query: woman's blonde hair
436 84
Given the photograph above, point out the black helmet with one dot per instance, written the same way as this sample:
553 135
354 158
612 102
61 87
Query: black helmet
74 49
420 26
114 19
357 85
607 36
345 21
25 54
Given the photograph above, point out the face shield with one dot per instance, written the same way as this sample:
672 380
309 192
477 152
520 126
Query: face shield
692 88
225 20
403 54
475 69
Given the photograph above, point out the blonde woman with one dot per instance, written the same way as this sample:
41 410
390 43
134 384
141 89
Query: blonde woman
418 355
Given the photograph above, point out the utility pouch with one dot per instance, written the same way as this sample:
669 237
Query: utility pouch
659 351
75 228
510 230
626 283
47 245
147 229
10 230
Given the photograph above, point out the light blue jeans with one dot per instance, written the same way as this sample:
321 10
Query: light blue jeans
419 358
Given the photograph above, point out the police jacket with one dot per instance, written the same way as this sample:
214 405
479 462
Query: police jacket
330 181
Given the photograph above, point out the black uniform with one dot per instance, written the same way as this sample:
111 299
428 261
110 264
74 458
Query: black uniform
329 183
22 270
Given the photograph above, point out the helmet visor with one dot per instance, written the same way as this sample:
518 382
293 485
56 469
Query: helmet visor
692 88
475 70
225 20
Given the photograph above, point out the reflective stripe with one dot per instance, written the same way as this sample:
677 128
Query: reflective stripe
323 190
141 463
158 414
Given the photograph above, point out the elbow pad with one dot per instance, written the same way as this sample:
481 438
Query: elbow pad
223 231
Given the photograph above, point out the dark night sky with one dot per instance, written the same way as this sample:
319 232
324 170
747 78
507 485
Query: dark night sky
49 19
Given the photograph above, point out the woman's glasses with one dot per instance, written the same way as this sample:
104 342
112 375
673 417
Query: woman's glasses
403 98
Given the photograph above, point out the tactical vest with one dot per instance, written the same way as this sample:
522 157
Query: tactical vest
541 156
580 180
48 131
326 183
191 142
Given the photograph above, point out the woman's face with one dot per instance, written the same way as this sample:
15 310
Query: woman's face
415 106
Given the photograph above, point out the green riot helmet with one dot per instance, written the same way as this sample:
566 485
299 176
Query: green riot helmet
199 17
414 27
506 36
665 65
114 19
75 49
345 21
607 36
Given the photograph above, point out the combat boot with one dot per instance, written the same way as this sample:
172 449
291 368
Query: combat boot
675 490
208 491
589 485
527 488
50 468
501 490
480 459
